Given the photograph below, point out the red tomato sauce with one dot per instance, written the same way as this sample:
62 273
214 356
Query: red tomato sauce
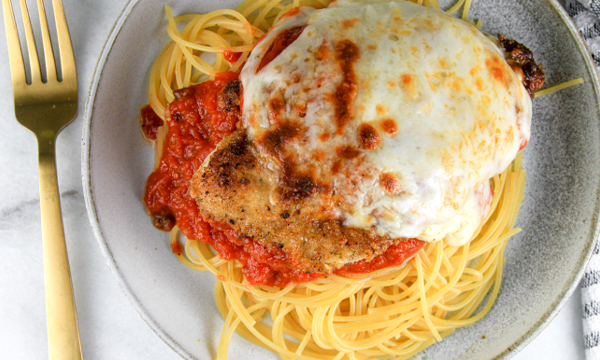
232 57
196 125
394 256
195 128
280 43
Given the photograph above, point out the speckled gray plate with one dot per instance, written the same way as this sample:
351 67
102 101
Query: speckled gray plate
559 216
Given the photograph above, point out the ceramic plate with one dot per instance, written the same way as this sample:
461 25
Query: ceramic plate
559 217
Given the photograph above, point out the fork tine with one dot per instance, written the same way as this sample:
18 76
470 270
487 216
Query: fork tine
17 69
48 53
34 63
67 59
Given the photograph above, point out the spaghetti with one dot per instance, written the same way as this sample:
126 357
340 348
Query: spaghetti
390 313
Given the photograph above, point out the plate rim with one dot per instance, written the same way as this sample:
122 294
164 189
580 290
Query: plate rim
88 193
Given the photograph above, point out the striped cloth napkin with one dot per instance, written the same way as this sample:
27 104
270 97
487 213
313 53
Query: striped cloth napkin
586 16
590 296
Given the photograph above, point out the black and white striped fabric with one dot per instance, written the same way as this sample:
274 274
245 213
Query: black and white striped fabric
586 16
590 295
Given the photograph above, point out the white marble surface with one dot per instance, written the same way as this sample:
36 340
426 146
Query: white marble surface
110 328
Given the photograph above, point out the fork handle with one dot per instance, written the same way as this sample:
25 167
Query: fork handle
61 316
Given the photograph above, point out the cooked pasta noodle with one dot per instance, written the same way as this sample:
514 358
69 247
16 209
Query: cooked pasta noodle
390 313
559 87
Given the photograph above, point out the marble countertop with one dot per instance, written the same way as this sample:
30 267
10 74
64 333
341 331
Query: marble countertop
110 327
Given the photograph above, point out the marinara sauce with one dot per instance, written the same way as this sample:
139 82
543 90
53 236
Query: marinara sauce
232 57
195 126
199 119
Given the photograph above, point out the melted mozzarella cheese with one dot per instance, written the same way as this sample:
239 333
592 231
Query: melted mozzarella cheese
409 132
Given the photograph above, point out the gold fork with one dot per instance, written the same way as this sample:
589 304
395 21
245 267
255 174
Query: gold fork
45 107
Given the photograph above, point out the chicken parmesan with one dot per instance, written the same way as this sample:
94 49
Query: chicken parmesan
344 169
363 125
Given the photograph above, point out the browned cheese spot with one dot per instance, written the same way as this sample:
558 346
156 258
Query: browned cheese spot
349 23
275 107
337 166
495 68
429 23
301 109
389 126
273 141
510 134
479 83
372 47
318 155
324 137
456 85
322 52
368 136
346 54
390 183
252 119
347 152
